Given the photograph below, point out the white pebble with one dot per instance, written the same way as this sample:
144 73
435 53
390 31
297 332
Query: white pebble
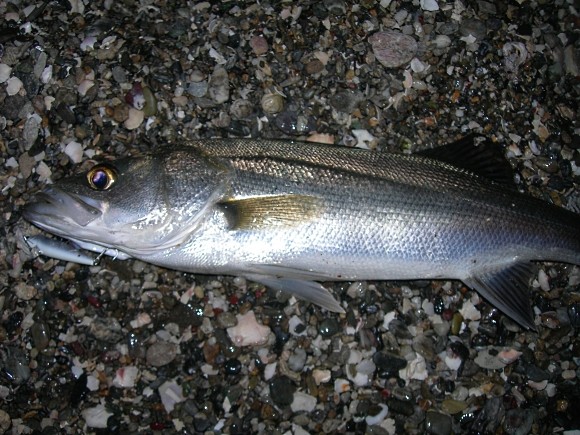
418 66
170 393
416 369
442 41
84 87
141 320
303 402
5 71
96 416
453 362
13 85
429 5
341 386
294 323
135 119
248 332
469 311
125 377
544 280
46 74
270 371
508 356
74 151
321 376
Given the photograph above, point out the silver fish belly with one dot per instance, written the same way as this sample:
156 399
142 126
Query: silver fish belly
289 214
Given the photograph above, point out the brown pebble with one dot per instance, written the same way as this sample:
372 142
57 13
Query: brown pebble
121 113
314 66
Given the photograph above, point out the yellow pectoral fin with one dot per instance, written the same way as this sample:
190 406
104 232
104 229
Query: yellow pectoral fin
260 212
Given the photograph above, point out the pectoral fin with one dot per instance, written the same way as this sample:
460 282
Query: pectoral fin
310 291
508 289
266 211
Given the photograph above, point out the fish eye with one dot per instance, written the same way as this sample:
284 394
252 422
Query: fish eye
101 177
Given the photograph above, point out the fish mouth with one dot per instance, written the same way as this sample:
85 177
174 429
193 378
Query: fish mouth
53 208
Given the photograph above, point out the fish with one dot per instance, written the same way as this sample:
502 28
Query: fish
291 215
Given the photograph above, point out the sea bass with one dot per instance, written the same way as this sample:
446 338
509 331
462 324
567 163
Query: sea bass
288 214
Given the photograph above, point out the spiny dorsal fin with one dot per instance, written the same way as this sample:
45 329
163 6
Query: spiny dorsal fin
484 159
508 289
266 211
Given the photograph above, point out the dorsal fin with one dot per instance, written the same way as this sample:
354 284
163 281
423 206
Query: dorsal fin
484 159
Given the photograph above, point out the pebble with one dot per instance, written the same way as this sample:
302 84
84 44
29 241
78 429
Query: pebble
379 416
259 45
13 86
161 353
272 103
472 27
303 402
134 119
5 421
393 49
282 391
25 292
518 421
5 72
489 361
75 151
297 360
171 394
125 377
437 423
329 327
248 332
96 416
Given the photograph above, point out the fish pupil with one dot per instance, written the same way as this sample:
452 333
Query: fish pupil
100 179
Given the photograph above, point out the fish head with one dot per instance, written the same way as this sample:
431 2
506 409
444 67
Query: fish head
137 205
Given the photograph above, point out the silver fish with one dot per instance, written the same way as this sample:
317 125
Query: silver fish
288 214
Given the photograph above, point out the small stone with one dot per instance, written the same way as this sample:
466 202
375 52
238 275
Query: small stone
171 393
134 119
74 151
13 86
328 327
248 332
161 353
96 416
321 376
272 103
25 292
233 366
486 360
437 423
5 421
259 45
518 421
314 67
475 28
303 402
297 360
282 391
40 335
5 72
393 49
429 5
453 407
125 377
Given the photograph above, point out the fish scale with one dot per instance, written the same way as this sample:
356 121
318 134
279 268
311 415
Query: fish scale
288 214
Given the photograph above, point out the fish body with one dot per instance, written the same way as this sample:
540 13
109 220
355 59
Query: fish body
288 214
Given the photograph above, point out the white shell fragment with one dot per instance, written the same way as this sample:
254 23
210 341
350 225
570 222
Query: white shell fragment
125 377
74 151
429 5
96 416
171 394
5 72
248 332
303 402
13 86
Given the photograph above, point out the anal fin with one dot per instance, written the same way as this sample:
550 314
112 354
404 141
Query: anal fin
507 288
310 291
